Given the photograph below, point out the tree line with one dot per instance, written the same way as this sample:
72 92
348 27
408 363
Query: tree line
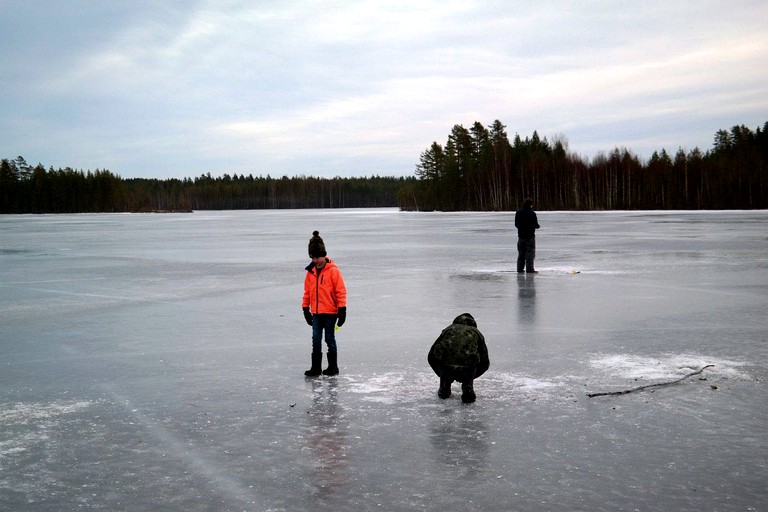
476 169
480 169
28 189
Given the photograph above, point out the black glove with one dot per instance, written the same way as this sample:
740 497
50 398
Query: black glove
307 315
342 316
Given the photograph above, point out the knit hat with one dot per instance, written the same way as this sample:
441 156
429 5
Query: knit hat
316 246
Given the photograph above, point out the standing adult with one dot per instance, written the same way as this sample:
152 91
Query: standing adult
324 305
526 223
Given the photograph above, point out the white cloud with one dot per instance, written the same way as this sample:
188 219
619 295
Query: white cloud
333 87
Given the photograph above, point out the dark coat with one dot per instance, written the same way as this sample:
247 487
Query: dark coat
526 222
460 345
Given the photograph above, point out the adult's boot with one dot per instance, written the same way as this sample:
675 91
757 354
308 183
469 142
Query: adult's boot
317 361
467 392
333 367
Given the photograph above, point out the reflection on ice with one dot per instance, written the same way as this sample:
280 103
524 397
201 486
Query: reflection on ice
460 442
325 442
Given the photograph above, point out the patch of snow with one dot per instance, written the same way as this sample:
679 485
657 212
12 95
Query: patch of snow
668 366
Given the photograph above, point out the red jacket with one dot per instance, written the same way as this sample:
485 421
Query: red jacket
324 291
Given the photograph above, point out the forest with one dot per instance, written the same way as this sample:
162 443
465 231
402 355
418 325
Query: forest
476 169
26 189
480 169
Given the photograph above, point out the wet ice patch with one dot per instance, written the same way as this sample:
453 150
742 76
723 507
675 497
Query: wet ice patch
665 367
409 387
21 413
604 272
528 384
558 270
28 424
509 386
568 270
391 387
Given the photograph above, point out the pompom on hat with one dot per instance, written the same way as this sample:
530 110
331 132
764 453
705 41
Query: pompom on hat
316 246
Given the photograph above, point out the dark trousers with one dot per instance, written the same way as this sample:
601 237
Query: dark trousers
463 374
323 324
526 252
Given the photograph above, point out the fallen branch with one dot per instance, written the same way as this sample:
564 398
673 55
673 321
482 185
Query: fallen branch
611 393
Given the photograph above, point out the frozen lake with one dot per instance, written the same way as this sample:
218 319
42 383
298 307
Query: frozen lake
155 362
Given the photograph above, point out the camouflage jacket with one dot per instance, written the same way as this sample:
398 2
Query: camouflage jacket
461 344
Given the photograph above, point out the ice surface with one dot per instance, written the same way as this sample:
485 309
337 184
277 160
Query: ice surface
155 362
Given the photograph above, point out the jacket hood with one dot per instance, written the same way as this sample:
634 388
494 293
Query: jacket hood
465 319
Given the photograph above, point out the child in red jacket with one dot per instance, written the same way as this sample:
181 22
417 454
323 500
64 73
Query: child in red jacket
324 304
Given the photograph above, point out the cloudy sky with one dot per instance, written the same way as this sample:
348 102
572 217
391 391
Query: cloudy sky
160 89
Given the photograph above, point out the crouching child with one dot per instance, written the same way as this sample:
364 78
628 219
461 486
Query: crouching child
459 354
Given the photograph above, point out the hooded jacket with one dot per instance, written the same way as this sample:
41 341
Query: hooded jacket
324 289
461 345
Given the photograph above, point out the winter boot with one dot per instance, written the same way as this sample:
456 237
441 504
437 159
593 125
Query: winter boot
333 368
317 361
445 388
467 392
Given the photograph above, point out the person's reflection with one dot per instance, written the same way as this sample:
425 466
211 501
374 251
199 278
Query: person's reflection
326 438
526 298
460 440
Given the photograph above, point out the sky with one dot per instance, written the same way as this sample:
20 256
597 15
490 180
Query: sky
175 89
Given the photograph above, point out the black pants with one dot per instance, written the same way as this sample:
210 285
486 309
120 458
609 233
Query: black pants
526 252
463 374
